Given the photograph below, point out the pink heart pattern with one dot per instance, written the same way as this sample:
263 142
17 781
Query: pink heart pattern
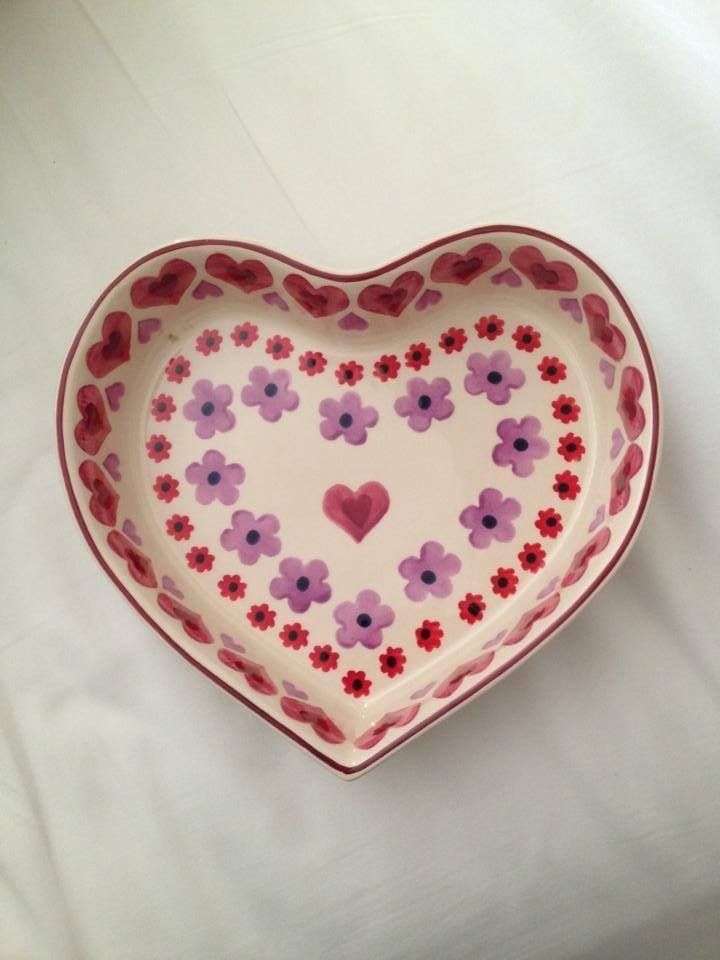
428 299
206 289
130 531
358 512
112 465
114 393
351 321
147 327
508 277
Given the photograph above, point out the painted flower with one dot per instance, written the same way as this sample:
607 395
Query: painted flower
453 340
386 368
490 327
179 527
177 370
356 683
567 485
162 407
244 334
491 519
424 402
214 479
392 662
209 409
494 376
504 582
429 573
362 621
261 616
200 559
346 418
526 338
311 362
549 523
279 348
208 342
293 636
571 447
429 635
417 356
552 370
166 488
158 447
232 586
521 445
532 557
471 607
349 373
270 393
252 536
324 658
301 584
566 409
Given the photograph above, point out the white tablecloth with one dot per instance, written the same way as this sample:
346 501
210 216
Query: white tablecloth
572 813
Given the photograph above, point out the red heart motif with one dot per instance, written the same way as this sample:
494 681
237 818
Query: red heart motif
450 685
249 275
256 676
140 566
464 268
104 499
392 300
543 274
91 431
603 333
114 348
582 558
192 623
358 512
631 413
317 301
620 480
525 624
166 288
398 718
317 718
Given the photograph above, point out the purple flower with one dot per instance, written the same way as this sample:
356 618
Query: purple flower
301 583
493 376
425 402
491 519
362 621
210 409
347 417
520 445
252 537
430 572
270 392
215 479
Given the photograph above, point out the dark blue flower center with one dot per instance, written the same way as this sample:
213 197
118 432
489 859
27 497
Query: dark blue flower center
302 583
521 444
214 478
424 401
428 577
207 408
345 421
271 389
252 537
489 521
364 620
494 377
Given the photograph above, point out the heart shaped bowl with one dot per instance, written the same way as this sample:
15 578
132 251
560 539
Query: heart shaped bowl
355 502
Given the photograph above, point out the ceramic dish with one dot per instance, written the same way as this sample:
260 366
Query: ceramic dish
356 501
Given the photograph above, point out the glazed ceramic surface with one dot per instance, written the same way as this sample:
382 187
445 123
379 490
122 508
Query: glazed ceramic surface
356 501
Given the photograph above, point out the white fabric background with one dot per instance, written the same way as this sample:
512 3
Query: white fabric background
572 813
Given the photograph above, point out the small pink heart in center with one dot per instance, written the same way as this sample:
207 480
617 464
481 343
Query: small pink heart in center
356 512
206 289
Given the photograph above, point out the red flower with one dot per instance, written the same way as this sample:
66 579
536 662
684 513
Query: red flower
200 559
505 581
279 347
163 407
177 369
261 616
418 355
356 683
570 447
349 373
532 557
232 586
552 369
429 635
453 340
549 523
311 363
471 608
158 447
566 409
208 342
324 658
386 368
244 334
490 327
567 485
293 635
526 339
179 527
393 661
166 488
